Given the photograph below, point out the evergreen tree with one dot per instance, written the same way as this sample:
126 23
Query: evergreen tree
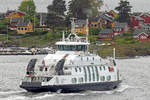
124 10
82 9
55 17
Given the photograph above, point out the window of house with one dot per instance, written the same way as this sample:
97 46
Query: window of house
22 28
80 30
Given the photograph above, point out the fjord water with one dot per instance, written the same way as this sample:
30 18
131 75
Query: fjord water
135 85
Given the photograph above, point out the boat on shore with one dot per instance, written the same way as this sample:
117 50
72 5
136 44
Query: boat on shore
72 68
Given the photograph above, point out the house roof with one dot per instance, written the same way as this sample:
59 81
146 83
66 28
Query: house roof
120 25
139 18
80 23
145 14
139 31
13 11
104 15
106 31
96 19
107 17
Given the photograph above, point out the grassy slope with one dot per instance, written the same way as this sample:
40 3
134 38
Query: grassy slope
125 46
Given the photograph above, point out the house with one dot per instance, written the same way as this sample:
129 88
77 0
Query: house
146 27
80 26
146 18
14 22
23 27
15 14
137 21
103 19
95 22
106 19
43 19
141 35
1 16
112 13
120 28
106 34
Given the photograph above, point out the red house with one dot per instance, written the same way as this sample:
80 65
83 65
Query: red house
146 18
119 28
137 21
106 34
14 22
141 35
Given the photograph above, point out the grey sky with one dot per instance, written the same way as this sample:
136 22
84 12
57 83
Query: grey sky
138 5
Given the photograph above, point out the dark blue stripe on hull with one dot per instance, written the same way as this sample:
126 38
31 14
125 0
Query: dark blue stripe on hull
101 86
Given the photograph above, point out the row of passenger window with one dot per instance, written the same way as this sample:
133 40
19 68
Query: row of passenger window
102 67
81 80
40 79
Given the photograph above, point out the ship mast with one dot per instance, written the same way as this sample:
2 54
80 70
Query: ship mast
73 30
87 32
87 29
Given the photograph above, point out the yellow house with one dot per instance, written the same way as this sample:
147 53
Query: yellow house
24 27
95 22
80 26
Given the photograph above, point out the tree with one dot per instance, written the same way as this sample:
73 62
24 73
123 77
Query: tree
55 17
124 10
82 9
4 25
58 7
29 8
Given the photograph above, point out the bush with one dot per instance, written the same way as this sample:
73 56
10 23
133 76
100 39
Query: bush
94 31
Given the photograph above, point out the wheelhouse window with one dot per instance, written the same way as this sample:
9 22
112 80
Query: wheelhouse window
72 47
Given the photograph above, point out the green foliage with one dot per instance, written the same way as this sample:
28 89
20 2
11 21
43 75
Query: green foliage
82 9
29 8
93 39
58 7
94 31
124 9
3 26
55 17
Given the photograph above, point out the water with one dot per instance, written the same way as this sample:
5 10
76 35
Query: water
135 85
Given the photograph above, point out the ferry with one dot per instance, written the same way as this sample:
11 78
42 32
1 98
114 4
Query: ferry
72 68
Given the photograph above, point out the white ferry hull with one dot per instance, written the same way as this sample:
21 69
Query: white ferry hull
99 86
